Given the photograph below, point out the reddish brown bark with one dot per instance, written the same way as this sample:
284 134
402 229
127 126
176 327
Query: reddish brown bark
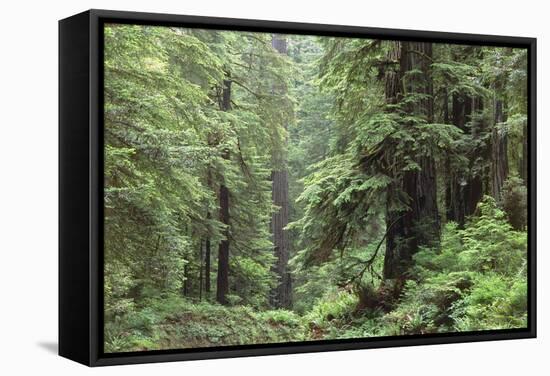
281 295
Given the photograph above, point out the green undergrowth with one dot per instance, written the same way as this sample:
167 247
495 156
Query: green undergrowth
176 323
476 279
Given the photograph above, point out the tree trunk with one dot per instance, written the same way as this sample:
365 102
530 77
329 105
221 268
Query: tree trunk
420 225
207 242
474 189
186 280
523 168
396 223
200 269
207 267
456 208
465 188
499 157
280 297
223 249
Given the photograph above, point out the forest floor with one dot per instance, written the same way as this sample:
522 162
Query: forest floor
182 324
175 322
210 325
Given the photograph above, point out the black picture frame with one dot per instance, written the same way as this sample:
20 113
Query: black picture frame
81 187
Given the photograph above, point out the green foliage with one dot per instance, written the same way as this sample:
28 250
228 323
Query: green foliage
282 317
312 285
426 306
355 130
491 244
453 289
476 281
174 322
165 138
493 303
375 145
333 306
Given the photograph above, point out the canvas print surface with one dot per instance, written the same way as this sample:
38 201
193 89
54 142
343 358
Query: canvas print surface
264 188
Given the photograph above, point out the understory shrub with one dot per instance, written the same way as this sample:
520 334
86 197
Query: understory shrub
475 280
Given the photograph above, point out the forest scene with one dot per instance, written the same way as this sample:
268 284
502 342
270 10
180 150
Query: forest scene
266 188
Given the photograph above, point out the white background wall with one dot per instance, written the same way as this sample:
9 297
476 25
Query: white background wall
28 186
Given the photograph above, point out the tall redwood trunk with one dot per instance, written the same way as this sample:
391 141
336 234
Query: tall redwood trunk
499 144
207 267
201 270
523 168
186 280
223 249
474 189
281 295
207 250
397 224
454 193
419 225
465 188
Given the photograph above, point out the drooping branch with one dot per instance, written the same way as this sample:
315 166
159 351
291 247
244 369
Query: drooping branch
257 95
370 261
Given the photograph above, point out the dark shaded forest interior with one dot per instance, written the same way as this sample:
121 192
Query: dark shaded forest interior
266 188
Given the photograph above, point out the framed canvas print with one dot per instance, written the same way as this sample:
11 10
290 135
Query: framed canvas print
235 187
